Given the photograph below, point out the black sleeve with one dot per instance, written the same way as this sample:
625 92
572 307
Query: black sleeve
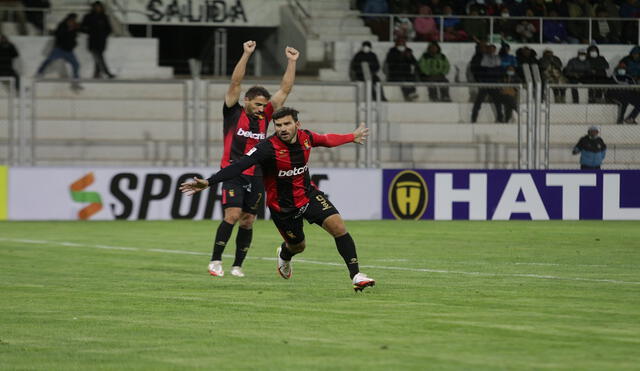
257 155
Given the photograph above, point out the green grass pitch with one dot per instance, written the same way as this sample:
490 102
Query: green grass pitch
450 295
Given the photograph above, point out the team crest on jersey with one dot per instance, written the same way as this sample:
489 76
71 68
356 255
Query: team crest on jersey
232 193
306 144
282 152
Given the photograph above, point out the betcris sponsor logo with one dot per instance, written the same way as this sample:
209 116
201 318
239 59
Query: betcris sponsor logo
293 172
250 134
509 195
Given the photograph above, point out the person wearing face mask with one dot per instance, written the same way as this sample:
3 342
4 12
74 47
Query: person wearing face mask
400 65
578 71
625 97
592 150
598 73
365 54
632 61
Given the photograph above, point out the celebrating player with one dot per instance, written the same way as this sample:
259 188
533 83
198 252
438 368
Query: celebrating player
291 196
243 128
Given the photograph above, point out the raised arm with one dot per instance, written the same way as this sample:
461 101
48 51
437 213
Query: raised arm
358 136
196 185
233 93
278 99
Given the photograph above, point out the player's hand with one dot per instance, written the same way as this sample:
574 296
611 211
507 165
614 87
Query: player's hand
292 53
191 187
249 46
360 134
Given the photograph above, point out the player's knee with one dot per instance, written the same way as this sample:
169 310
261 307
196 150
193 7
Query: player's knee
297 248
231 216
247 220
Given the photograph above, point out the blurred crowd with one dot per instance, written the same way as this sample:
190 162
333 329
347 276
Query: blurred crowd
493 65
425 25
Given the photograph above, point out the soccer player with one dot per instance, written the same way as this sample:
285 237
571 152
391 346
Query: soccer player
243 128
291 196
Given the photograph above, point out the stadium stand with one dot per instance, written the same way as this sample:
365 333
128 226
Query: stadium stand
134 123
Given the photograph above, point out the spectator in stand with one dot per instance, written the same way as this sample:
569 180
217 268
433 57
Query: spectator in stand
507 59
403 6
425 26
602 30
400 66
625 97
35 17
592 150
403 29
96 24
451 27
538 8
579 29
437 6
551 70
485 66
378 25
561 7
477 5
632 63
518 8
65 42
525 55
555 31
613 11
475 27
505 26
434 67
526 31
577 71
598 75
355 67
630 9
8 53
508 96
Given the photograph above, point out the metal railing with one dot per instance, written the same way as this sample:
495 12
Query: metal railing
13 151
564 123
30 139
494 21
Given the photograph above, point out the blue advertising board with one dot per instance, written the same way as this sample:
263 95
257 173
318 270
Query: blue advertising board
511 194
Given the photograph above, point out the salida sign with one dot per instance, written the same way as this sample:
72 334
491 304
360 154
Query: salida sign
505 195
194 11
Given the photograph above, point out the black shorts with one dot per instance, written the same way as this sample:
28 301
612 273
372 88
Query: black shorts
316 211
244 191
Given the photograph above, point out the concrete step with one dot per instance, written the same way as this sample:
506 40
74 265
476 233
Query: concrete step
346 31
319 7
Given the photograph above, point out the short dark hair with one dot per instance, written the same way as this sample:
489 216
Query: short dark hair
285 111
256 91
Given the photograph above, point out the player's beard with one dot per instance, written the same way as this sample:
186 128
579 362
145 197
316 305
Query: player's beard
290 138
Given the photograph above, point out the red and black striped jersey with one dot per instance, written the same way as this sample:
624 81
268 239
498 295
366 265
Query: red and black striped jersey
284 165
241 133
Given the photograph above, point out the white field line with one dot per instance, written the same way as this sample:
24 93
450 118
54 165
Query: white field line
426 270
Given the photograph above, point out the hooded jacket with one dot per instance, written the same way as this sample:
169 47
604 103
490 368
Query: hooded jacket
633 65
436 64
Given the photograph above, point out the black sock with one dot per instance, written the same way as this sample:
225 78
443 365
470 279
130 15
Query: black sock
243 243
222 236
347 249
285 253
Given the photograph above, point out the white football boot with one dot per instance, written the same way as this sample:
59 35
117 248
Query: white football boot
237 271
361 281
284 266
215 268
